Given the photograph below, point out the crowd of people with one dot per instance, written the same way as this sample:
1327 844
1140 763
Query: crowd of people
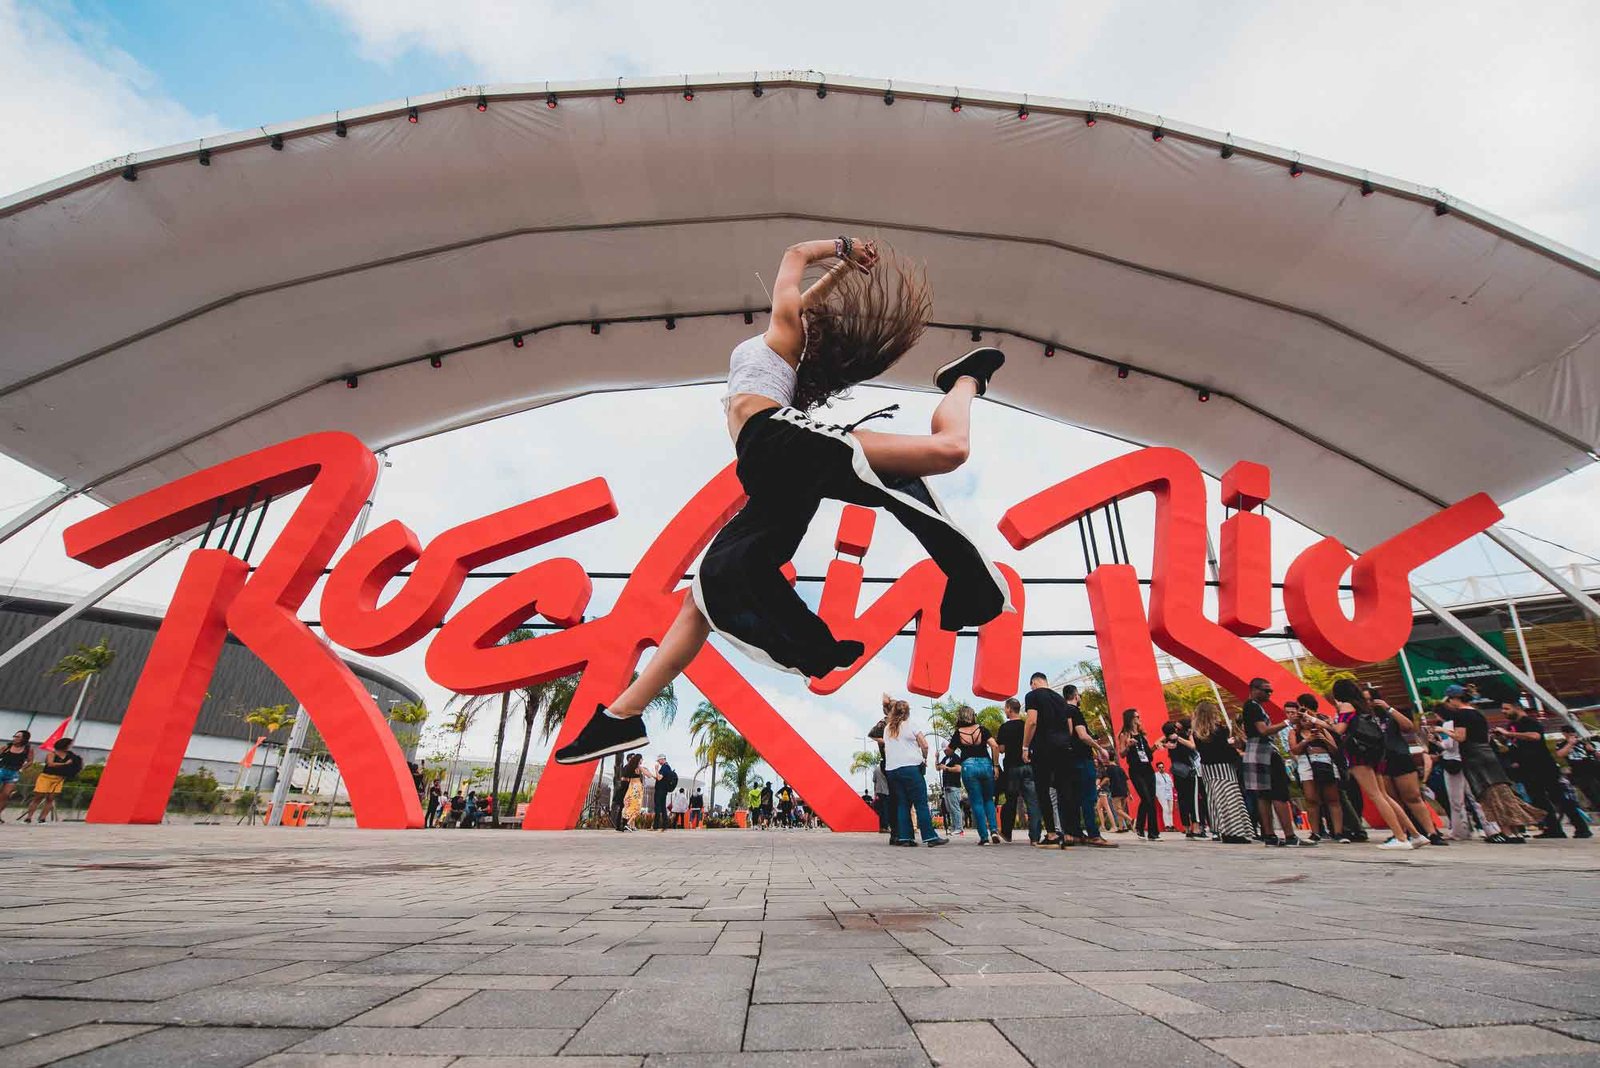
1363 767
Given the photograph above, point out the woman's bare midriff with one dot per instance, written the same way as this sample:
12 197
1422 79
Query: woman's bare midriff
741 406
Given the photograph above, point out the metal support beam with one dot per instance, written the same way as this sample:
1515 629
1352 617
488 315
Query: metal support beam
37 510
287 766
92 598
1545 571
1474 639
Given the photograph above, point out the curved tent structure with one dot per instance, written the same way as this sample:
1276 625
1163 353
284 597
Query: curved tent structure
1385 348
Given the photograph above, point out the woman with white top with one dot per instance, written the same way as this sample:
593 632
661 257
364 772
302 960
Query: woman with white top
851 325
905 752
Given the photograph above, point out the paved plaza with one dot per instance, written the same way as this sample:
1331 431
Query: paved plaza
297 948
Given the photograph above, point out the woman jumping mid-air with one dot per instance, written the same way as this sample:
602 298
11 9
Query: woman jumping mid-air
850 326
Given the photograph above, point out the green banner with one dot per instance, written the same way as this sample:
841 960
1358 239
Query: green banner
1440 662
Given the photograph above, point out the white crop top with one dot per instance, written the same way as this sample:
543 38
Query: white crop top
755 368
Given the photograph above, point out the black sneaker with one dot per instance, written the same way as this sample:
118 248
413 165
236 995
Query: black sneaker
1303 843
602 736
979 364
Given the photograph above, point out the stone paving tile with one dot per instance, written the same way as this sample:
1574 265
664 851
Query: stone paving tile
1472 1043
846 1027
970 1045
276 1006
861 1058
48 1049
411 1008
537 1062
167 980
1120 1040
788 980
1325 1051
1332 1017
499 1041
215 1047
355 1060
523 1008
994 1003
674 1005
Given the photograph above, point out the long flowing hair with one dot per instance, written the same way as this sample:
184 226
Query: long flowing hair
896 713
864 325
1207 719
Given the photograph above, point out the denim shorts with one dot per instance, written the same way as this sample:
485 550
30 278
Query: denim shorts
9 775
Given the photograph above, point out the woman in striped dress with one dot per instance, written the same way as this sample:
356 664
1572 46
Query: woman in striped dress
1219 767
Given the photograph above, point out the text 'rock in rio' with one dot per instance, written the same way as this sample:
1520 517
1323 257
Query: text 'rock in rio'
218 593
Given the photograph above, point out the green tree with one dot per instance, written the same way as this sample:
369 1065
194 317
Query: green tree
1092 700
1319 678
462 711
411 714
992 716
1183 697
84 665
549 700
863 760
739 764
712 736
521 634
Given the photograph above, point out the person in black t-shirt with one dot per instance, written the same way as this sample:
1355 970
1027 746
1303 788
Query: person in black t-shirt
950 791
1504 812
1264 773
1017 774
1046 745
1540 773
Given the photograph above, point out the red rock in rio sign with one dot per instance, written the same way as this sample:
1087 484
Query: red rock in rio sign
218 594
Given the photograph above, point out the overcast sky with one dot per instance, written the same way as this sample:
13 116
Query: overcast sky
1490 102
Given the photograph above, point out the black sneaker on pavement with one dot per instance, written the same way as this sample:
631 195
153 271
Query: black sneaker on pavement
936 841
979 364
1304 843
602 736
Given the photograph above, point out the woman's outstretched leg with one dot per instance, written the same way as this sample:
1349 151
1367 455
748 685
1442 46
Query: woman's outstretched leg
620 727
896 456
679 645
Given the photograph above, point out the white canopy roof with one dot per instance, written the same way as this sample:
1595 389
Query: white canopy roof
1384 353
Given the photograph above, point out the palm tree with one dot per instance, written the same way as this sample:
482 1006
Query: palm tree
551 700
739 761
1092 700
270 719
712 734
521 634
410 713
463 709
1183 697
863 760
84 665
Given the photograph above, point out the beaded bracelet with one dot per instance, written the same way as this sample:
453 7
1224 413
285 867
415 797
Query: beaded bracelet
843 247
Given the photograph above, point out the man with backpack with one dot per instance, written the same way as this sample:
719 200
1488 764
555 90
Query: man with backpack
666 782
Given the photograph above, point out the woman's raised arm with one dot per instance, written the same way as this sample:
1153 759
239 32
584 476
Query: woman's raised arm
785 336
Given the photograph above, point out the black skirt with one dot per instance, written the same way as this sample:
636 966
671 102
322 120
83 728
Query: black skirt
788 464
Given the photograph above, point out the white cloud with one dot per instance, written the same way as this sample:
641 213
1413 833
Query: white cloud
70 100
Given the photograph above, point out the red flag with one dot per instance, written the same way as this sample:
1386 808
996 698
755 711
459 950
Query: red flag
250 757
56 735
